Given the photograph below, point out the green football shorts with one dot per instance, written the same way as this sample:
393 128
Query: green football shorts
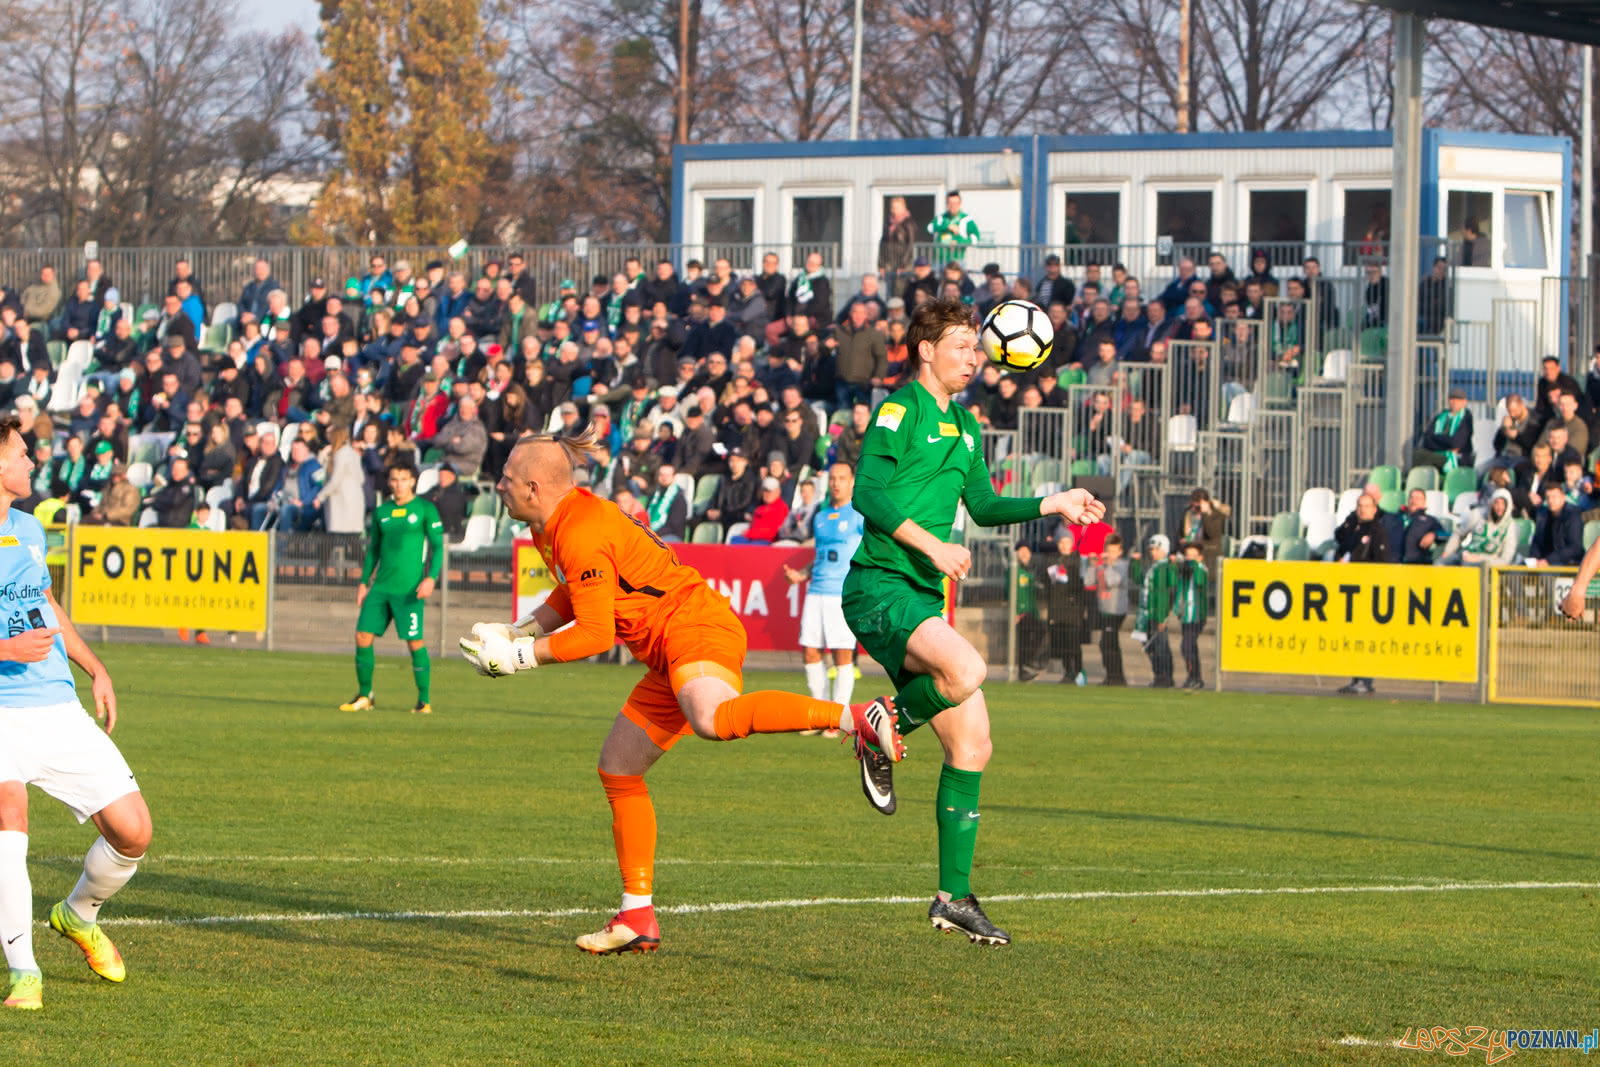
883 609
380 607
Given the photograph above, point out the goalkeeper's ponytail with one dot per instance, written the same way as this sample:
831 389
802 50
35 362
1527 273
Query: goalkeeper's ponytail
579 447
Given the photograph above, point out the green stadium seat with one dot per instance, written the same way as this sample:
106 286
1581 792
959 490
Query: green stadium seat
1461 480
486 504
1285 527
1385 478
217 337
57 351
1071 376
707 533
1524 533
705 490
1296 550
1591 533
1424 478
1392 501
1083 468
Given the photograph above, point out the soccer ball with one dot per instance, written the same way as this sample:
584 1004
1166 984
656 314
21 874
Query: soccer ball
1016 335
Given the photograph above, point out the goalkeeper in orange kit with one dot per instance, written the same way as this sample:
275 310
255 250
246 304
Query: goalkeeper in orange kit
617 579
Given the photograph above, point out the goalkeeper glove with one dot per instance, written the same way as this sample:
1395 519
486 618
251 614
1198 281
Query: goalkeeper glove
497 650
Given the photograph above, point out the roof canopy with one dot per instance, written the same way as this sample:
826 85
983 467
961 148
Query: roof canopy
1566 20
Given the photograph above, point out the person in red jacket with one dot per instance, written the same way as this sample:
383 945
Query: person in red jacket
426 412
768 516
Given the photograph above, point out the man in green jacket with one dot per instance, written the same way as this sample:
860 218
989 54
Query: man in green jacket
1189 604
954 231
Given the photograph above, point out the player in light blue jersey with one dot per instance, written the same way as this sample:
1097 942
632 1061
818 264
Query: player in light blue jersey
48 741
836 528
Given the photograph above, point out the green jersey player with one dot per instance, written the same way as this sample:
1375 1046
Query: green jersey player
922 454
405 549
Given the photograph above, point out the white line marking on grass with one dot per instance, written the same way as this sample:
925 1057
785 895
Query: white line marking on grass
817 902
1367 1042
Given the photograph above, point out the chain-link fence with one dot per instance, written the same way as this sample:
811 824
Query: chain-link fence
1536 654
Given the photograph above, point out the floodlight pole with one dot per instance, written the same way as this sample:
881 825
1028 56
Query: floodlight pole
1585 283
1405 237
855 78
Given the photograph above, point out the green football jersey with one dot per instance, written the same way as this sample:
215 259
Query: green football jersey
938 462
405 543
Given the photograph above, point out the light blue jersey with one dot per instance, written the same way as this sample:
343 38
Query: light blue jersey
23 581
837 531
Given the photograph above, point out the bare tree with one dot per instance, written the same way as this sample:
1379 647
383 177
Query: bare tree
965 68
798 75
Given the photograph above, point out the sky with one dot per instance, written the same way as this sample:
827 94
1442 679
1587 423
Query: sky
276 14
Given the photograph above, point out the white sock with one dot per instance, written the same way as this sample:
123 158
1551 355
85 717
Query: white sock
16 901
844 683
817 680
634 900
105 870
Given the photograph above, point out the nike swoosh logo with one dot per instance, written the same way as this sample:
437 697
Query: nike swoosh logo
877 797
932 440
13 940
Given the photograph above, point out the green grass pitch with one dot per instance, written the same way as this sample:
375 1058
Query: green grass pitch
269 804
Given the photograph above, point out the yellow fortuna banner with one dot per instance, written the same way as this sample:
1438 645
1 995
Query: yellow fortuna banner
1367 620
200 579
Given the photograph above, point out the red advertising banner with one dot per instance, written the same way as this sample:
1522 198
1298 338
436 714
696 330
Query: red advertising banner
751 577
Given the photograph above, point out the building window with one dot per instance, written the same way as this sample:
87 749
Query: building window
1467 218
1186 218
921 206
818 227
1525 231
1278 225
730 230
1366 222
1092 219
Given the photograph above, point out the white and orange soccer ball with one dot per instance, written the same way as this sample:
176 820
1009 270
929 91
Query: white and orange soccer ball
1016 335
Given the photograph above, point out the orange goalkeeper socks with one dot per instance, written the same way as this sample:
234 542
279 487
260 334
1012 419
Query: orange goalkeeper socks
774 712
633 827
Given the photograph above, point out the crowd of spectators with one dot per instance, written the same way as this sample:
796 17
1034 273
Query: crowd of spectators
289 417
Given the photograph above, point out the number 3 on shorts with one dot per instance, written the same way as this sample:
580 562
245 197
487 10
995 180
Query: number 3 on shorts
410 624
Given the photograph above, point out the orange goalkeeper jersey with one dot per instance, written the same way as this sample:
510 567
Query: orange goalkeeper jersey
618 579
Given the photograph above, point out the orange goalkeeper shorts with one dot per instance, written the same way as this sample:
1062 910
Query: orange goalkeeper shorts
694 647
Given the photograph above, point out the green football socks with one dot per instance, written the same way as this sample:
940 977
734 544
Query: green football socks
956 810
422 671
918 702
366 660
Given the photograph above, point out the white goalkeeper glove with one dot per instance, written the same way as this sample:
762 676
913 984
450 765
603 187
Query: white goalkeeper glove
496 649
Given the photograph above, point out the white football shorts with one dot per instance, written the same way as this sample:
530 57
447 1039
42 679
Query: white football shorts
63 751
822 623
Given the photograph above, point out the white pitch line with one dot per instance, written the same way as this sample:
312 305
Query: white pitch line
682 861
817 902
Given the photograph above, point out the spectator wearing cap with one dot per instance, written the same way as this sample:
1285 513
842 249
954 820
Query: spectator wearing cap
107 314
307 320
778 467
666 507
714 333
695 453
920 285
767 517
736 495
747 308
119 502
1159 591
260 478
1557 531
1447 442
897 246
451 501
641 398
